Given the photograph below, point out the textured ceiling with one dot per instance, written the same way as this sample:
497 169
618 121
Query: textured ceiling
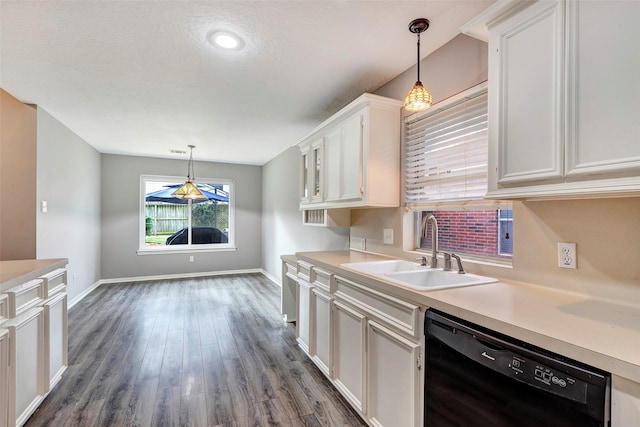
140 78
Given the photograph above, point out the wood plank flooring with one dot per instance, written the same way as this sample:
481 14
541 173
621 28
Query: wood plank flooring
198 352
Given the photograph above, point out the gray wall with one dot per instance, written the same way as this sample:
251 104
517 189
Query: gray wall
68 178
120 218
281 219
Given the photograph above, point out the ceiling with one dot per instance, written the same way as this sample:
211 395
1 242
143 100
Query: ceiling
140 77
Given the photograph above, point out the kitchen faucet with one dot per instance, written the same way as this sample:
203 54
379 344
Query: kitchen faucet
434 238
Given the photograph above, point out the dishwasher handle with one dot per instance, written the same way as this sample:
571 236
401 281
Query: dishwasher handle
483 350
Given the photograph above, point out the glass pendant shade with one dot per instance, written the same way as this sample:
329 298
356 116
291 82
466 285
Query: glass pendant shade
189 191
418 98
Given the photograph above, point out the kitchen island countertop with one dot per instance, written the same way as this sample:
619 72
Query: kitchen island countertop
600 333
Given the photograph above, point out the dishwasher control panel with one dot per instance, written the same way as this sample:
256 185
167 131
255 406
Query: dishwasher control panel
546 378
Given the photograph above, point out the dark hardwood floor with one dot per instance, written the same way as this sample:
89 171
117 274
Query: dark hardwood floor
199 352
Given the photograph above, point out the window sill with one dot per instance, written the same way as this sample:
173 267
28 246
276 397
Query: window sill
163 251
468 259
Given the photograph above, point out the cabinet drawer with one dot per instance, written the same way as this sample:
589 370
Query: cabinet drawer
304 270
55 281
395 313
291 270
4 307
322 279
23 297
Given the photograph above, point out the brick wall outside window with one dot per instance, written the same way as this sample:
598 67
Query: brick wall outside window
470 232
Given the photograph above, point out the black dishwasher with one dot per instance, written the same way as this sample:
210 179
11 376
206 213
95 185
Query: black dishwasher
478 377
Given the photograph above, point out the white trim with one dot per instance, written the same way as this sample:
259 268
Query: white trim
274 279
180 275
478 26
191 249
100 282
83 294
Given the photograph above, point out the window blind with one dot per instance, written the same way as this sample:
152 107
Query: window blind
446 152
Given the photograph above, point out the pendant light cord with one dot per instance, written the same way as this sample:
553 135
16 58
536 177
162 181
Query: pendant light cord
190 170
418 60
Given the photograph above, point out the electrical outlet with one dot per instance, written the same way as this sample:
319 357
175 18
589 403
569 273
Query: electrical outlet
191 258
387 237
567 256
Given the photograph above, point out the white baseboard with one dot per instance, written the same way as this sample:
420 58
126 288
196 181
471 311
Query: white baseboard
272 278
83 294
180 275
87 291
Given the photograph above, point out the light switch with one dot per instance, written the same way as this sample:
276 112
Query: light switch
43 206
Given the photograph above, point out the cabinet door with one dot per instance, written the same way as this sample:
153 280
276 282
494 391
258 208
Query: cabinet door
349 364
526 93
333 157
393 368
305 188
4 376
603 103
26 361
303 324
321 330
316 173
625 402
55 325
351 166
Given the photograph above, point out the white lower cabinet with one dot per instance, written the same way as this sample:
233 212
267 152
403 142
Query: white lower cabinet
625 402
26 365
321 330
393 366
55 326
367 342
303 324
4 376
349 364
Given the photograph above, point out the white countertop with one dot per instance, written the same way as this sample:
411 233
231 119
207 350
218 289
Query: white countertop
600 333
13 273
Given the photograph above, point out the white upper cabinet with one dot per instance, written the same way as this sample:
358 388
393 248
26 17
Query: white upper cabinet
526 71
359 150
564 98
603 103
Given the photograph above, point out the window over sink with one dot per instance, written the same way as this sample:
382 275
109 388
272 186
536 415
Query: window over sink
171 224
445 154
477 232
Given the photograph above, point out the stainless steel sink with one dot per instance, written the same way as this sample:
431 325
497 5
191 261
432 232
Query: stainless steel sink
415 276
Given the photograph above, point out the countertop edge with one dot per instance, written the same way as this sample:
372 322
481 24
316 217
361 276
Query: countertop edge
445 300
13 273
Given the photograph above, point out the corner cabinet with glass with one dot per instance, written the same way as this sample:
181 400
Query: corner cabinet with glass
353 158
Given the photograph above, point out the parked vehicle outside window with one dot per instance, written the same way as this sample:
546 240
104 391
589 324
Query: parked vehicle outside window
171 223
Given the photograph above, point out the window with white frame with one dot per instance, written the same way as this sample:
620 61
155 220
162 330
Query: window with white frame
169 223
445 172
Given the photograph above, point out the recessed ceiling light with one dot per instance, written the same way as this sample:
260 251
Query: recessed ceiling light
225 40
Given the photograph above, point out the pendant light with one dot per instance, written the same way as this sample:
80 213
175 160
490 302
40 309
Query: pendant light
418 98
189 189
